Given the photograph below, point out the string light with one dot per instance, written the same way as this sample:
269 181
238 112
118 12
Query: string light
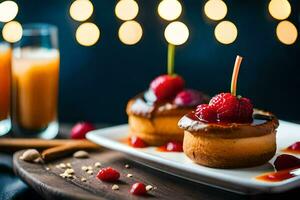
169 9
279 9
215 9
130 32
126 9
286 32
87 34
8 11
226 32
176 33
81 10
12 31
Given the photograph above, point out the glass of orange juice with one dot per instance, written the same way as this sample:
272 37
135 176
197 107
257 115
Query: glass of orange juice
5 87
35 72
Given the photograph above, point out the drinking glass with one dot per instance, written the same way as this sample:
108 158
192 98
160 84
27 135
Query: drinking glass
35 72
5 87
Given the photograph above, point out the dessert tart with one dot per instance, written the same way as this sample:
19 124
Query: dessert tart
153 115
228 132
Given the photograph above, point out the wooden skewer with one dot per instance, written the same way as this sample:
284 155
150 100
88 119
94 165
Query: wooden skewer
235 74
12 144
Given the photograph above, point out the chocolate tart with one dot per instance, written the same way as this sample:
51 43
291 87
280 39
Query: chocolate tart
155 122
231 145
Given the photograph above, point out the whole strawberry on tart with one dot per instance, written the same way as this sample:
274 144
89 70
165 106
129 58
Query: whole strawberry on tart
153 115
227 132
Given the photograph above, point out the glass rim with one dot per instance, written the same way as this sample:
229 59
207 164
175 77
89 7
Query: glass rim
36 29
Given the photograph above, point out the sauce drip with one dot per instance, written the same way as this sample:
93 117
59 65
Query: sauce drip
136 142
294 148
257 120
172 146
287 167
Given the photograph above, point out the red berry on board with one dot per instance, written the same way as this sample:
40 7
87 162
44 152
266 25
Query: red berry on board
206 113
80 129
108 174
167 86
138 189
285 161
137 142
189 97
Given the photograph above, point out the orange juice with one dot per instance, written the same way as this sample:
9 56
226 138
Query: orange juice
35 87
5 81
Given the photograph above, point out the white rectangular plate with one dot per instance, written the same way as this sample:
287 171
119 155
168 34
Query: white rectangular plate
236 180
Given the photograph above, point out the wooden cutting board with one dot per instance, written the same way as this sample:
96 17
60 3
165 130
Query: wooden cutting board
50 185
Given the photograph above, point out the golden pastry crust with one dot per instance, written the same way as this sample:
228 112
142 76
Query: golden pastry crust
155 124
229 153
230 145
156 131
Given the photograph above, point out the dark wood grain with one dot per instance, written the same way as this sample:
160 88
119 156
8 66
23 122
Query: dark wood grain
51 186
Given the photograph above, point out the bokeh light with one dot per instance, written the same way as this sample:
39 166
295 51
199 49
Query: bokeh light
176 33
215 9
226 32
81 10
279 9
286 32
8 11
126 9
130 32
169 9
87 34
12 31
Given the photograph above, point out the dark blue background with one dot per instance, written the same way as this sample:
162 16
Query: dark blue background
96 82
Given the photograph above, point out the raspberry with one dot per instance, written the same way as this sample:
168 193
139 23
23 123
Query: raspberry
138 189
206 113
80 130
108 174
167 86
189 98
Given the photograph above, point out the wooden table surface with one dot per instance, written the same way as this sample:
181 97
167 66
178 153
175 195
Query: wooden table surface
168 186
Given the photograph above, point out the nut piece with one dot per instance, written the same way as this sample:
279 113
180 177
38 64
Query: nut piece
30 155
69 171
83 179
129 175
115 187
62 165
149 187
97 164
84 168
127 166
81 154
90 172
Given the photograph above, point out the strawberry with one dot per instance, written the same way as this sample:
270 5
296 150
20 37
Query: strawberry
230 108
206 113
167 86
189 97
